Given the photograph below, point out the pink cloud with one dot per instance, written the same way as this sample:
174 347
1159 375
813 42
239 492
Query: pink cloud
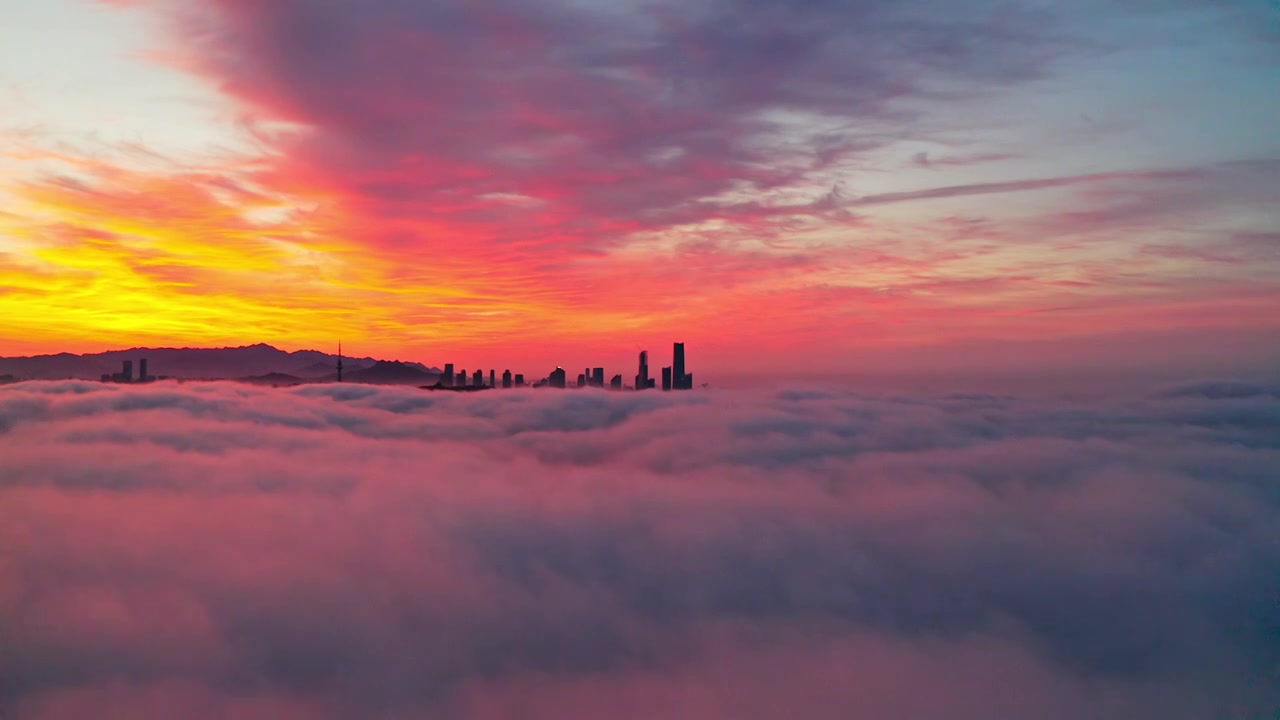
342 551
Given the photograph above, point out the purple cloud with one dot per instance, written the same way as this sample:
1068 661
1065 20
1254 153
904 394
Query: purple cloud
602 114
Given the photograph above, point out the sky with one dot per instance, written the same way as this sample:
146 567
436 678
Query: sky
837 186
332 552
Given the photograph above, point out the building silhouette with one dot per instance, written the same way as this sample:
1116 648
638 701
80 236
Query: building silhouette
126 376
673 377
643 381
679 379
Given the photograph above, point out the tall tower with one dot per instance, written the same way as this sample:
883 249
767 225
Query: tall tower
642 377
339 361
677 367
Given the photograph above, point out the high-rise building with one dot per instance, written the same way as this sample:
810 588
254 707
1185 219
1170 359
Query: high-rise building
582 380
642 377
462 378
615 383
142 370
477 379
339 361
447 377
506 378
126 375
677 366
519 380
666 378
597 377
557 378
492 382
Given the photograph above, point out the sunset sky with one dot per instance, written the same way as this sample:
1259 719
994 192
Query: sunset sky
846 184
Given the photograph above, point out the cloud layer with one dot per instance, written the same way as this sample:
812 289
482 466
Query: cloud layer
211 550
860 176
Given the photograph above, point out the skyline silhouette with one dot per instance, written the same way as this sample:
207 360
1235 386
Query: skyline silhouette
591 377
334 369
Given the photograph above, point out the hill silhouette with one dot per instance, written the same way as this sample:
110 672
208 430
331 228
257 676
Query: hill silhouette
385 372
196 363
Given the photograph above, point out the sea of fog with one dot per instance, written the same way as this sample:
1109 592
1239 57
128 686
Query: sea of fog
212 550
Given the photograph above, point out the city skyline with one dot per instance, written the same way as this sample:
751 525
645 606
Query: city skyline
447 376
591 377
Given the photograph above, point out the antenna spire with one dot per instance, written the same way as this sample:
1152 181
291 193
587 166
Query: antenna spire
339 361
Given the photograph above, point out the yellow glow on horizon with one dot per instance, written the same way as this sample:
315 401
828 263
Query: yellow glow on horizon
127 257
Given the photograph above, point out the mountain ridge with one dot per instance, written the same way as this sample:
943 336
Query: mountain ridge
189 363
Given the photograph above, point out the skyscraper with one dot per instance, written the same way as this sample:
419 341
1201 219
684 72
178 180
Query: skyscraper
506 378
462 378
492 382
519 380
126 375
677 366
557 379
447 377
615 383
478 378
642 377
582 380
597 377
339 361
666 378
142 370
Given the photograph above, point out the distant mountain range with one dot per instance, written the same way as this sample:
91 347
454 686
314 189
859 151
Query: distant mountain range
253 363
